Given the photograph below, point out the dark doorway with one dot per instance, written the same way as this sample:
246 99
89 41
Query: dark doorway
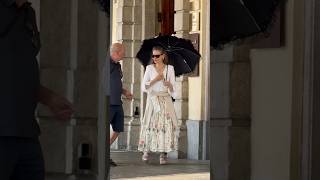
167 17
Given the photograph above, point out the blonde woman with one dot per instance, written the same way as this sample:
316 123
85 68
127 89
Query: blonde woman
159 127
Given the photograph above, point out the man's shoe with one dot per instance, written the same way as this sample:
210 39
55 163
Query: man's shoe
112 163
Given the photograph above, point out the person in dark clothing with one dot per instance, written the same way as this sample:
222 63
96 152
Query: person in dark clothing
116 115
20 151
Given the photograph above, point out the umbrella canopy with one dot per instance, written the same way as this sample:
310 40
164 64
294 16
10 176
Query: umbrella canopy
236 19
181 53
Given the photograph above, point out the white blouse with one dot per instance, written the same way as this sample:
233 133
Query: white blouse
152 73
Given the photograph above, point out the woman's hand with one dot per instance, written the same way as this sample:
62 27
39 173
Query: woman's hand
168 85
159 77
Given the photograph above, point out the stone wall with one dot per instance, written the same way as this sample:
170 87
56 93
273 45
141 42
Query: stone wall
230 113
74 41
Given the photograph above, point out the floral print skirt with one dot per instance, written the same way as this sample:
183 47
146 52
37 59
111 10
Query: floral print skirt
159 127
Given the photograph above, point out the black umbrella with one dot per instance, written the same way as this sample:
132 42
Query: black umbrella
181 53
235 19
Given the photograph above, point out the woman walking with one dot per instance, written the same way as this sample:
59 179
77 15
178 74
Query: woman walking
159 126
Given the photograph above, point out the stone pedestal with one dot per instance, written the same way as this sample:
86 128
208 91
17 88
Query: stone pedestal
196 130
133 134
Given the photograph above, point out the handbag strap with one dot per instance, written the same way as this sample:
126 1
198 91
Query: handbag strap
167 73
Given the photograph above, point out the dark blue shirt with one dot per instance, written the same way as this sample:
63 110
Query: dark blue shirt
115 83
19 73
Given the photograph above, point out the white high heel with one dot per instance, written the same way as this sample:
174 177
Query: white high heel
145 157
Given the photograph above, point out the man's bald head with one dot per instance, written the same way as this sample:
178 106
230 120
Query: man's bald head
117 51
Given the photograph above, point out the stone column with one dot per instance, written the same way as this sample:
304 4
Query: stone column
181 27
134 124
56 74
197 127
310 163
230 114
103 147
69 66
129 26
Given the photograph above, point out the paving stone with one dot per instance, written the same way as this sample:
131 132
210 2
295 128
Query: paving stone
130 166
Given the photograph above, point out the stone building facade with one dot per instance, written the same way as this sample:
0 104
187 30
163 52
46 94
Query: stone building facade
254 107
135 20
253 112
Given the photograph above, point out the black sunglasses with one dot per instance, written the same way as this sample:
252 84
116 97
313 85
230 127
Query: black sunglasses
156 55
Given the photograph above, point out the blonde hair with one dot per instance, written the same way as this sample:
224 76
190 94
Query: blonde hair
159 48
